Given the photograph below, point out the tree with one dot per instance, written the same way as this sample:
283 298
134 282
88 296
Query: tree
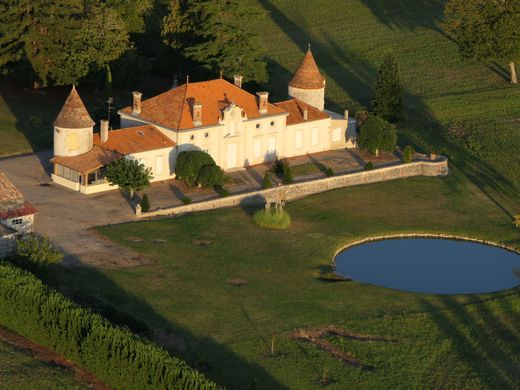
408 154
388 99
377 134
217 34
61 40
129 174
486 30
132 12
189 165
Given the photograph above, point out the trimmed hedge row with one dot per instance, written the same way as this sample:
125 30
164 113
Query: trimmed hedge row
115 355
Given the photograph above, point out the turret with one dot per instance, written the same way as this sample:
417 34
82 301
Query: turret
73 128
308 84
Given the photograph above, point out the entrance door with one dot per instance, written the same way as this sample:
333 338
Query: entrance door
231 156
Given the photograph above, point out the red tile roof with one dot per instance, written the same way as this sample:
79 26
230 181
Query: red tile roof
94 159
73 114
20 211
295 109
173 108
134 140
8 192
308 75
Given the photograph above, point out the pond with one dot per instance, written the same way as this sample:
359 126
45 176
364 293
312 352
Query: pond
429 265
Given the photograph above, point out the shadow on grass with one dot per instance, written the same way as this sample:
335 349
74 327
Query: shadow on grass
92 288
486 342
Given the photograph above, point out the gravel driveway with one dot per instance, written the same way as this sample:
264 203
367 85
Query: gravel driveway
66 216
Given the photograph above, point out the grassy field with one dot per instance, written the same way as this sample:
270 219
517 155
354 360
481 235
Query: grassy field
19 371
226 330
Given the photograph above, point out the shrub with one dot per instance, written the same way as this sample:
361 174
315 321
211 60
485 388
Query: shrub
115 355
210 175
369 166
408 154
279 166
272 219
36 251
186 200
189 164
287 174
221 191
377 134
267 182
145 204
329 172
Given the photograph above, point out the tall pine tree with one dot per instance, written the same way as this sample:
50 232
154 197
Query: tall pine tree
388 99
217 34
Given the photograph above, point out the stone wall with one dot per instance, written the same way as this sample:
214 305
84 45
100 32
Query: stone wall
438 167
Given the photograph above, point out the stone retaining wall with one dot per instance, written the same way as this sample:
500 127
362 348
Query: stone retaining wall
438 167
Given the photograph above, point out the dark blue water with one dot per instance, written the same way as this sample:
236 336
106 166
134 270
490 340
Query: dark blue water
431 266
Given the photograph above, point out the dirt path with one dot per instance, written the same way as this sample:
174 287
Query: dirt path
44 354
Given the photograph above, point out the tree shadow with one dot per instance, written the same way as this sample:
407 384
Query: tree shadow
480 338
94 289
407 14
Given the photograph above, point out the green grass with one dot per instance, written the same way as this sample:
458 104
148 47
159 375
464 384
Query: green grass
19 370
272 219
443 341
306 169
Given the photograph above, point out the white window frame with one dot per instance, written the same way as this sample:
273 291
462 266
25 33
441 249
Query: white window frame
257 148
159 168
298 139
315 136
271 145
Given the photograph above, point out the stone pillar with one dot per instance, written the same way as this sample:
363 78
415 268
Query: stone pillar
136 107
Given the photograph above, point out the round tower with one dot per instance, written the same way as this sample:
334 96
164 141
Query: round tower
307 84
73 128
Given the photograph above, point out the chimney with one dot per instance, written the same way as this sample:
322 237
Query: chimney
346 114
238 80
305 113
263 99
136 107
103 130
197 113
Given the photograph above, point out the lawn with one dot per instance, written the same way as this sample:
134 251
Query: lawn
19 370
226 330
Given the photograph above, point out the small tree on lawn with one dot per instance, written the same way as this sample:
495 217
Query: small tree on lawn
377 134
388 99
129 175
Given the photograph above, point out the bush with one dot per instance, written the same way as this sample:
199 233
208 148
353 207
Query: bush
329 172
186 200
189 165
272 219
36 251
145 204
287 174
279 166
369 166
267 182
408 154
115 355
377 134
221 191
210 175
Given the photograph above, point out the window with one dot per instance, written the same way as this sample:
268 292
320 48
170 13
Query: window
257 148
17 221
206 135
72 142
314 136
336 135
271 146
298 141
192 137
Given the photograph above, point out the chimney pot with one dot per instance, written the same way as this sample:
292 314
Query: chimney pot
346 114
238 80
136 107
305 113
197 113
263 100
103 130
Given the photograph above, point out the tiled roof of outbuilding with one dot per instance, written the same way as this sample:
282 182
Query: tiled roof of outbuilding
295 108
19 211
95 158
308 75
173 108
8 192
73 114
135 140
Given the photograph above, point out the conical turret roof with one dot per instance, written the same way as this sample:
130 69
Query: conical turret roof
73 114
308 75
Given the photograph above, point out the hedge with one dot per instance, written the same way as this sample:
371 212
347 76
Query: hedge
115 355
189 164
